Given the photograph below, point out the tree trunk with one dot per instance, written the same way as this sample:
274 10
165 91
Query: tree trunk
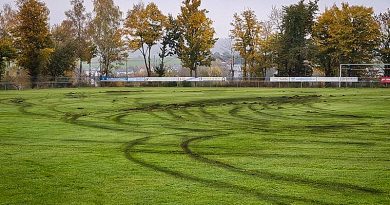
144 54
33 79
244 70
106 67
80 71
148 67
161 71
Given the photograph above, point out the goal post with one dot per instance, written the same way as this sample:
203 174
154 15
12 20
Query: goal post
383 66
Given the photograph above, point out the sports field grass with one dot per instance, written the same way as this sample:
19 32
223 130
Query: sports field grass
195 146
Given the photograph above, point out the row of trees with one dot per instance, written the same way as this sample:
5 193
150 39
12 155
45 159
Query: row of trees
43 51
190 36
294 39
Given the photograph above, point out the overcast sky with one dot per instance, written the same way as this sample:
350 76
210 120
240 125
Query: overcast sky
220 11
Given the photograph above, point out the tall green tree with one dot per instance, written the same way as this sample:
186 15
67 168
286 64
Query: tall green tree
144 28
384 49
106 33
246 33
197 36
32 38
65 49
80 20
295 39
169 43
344 35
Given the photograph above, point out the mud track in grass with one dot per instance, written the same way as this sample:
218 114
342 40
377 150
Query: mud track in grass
273 176
272 198
236 105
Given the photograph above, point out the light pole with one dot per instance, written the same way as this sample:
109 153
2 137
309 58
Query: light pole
125 57
232 58
127 73
247 50
341 67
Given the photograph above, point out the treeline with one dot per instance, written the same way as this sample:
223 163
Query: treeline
295 39
27 39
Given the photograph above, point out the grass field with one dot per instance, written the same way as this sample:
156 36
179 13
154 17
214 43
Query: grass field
195 146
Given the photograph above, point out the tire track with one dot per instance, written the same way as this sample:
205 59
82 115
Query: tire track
272 198
269 175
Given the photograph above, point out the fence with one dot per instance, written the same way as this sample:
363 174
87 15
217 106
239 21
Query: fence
61 82
252 82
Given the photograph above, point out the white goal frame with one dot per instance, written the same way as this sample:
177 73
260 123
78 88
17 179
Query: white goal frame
363 64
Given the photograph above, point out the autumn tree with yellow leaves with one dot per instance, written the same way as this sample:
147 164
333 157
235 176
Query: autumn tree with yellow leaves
32 38
246 33
343 35
144 28
106 33
197 36
79 19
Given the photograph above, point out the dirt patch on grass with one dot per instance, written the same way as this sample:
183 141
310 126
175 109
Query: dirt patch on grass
122 92
17 100
75 95
277 101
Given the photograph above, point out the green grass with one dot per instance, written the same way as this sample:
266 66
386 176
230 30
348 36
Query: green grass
195 146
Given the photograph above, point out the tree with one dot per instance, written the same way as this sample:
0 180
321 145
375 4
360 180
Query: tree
275 21
7 53
65 49
79 19
246 33
197 36
7 49
267 55
32 38
169 44
144 26
294 41
106 33
384 49
271 38
7 21
344 35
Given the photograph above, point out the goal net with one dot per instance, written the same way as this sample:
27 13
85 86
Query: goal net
367 73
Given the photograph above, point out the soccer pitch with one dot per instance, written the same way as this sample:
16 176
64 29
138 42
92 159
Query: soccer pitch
195 146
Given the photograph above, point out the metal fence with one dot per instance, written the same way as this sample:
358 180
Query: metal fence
253 82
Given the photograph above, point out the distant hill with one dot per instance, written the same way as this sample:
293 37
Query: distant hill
222 45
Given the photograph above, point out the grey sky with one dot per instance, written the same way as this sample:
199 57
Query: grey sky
220 11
